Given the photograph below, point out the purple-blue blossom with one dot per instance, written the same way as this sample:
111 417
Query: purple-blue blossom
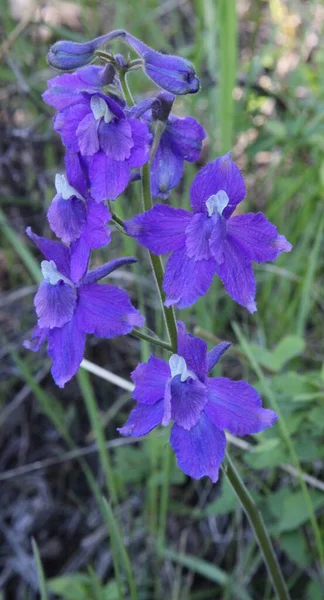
69 305
172 73
111 144
210 241
181 140
79 221
199 406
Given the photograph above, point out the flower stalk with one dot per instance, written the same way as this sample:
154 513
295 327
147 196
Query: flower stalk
259 529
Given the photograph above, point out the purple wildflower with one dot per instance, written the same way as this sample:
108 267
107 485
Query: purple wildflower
172 73
210 241
181 140
69 305
111 144
200 407
79 221
64 90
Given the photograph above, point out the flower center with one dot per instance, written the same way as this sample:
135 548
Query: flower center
64 188
217 203
178 366
100 109
52 275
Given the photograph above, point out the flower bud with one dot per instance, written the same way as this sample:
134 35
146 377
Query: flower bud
67 56
162 106
172 73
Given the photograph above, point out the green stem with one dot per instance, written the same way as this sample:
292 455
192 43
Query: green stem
157 265
259 529
151 339
124 85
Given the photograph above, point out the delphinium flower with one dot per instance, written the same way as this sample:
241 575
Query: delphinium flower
69 305
200 407
79 221
111 144
179 139
210 240
172 73
64 90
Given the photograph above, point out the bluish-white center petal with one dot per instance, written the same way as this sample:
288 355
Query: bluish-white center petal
178 366
100 109
51 274
64 188
217 203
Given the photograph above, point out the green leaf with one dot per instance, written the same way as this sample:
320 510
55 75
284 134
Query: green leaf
288 348
270 453
289 508
295 545
70 587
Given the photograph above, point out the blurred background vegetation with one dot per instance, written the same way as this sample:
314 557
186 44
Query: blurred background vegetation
85 519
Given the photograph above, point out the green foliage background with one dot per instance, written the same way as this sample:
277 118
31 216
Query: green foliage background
261 67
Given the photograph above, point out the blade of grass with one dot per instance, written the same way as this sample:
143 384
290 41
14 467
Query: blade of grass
96 424
117 540
308 282
227 44
40 572
20 248
206 569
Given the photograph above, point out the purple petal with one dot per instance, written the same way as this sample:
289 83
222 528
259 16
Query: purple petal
218 237
106 269
64 89
237 276
116 139
76 172
95 232
143 419
188 399
108 177
193 350
166 169
150 380
222 174
54 304
38 337
198 232
186 280
52 251
140 153
215 354
106 311
160 229
67 122
66 347
199 451
67 218
186 136
80 256
87 135
236 406
256 237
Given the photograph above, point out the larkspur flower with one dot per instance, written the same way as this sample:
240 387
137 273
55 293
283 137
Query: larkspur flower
79 221
70 305
210 241
64 90
181 140
200 407
172 73
111 144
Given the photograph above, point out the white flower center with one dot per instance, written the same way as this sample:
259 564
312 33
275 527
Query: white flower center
51 274
64 188
217 203
178 366
100 109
